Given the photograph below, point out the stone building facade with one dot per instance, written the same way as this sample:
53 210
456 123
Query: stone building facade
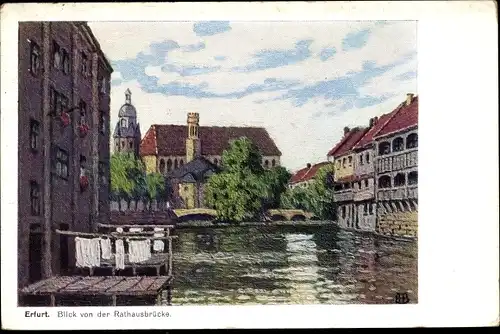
396 171
344 177
63 148
167 148
376 173
127 134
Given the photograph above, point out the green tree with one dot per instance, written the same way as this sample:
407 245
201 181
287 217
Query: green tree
276 180
317 197
155 187
238 192
129 180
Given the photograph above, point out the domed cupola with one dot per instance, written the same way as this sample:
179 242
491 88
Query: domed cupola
127 110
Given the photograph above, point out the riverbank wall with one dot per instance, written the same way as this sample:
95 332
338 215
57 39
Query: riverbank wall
398 224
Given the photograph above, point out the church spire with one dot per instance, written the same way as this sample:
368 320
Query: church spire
128 96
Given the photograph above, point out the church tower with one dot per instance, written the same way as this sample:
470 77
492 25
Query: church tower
127 134
193 145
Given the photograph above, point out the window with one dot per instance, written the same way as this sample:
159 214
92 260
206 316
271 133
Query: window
169 165
56 56
34 135
343 212
365 208
102 173
412 141
361 159
399 180
384 148
34 58
130 145
359 185
65 61
413 178
266 163
83 163
123 144
84 64
350 161
273 163
176 164
181 163
366 183
102 122
103 86
384 181
398 144
83 112
162 166
59 102
367 158
370 207
61 163
123 123
35 198
343 162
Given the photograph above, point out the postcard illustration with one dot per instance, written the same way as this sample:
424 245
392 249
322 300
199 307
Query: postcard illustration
217 163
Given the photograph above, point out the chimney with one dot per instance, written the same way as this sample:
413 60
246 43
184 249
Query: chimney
346 130
409 98
308 165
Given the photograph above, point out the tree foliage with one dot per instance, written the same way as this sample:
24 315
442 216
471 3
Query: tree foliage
243 189
317 197
130 181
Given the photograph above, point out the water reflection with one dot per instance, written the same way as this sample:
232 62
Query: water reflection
290 265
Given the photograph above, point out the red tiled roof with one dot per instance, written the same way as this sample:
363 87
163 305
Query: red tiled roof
307 173
368 137
348 141
405 116
170 139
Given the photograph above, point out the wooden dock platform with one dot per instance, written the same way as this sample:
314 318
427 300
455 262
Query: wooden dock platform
97 291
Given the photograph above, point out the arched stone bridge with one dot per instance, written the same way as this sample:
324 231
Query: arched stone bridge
274 214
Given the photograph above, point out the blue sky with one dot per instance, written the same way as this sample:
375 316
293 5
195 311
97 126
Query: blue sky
303 81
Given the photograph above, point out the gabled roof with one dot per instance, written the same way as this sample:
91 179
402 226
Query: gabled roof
168 140
404 117
346 144
307 173
368 137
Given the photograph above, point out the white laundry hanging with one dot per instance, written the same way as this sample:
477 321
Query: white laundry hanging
119 254
158 245
135 229
95 252
87 252
106 248
80 251
139 250
119 230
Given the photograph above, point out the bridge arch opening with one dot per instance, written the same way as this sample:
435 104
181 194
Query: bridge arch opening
196 217
298 218
278 217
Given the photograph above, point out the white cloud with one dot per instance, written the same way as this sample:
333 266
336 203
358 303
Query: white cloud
303 134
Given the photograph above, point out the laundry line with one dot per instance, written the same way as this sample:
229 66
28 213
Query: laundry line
116 235
136 225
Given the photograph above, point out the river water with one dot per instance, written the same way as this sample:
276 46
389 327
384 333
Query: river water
290 265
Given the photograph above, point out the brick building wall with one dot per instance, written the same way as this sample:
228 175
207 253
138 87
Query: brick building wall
59 67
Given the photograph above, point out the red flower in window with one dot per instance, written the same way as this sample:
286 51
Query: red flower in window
84 182
64 118
83 129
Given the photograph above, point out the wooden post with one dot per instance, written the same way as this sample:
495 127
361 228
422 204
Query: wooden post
158 270
52 300
170 261
134 271
113 300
